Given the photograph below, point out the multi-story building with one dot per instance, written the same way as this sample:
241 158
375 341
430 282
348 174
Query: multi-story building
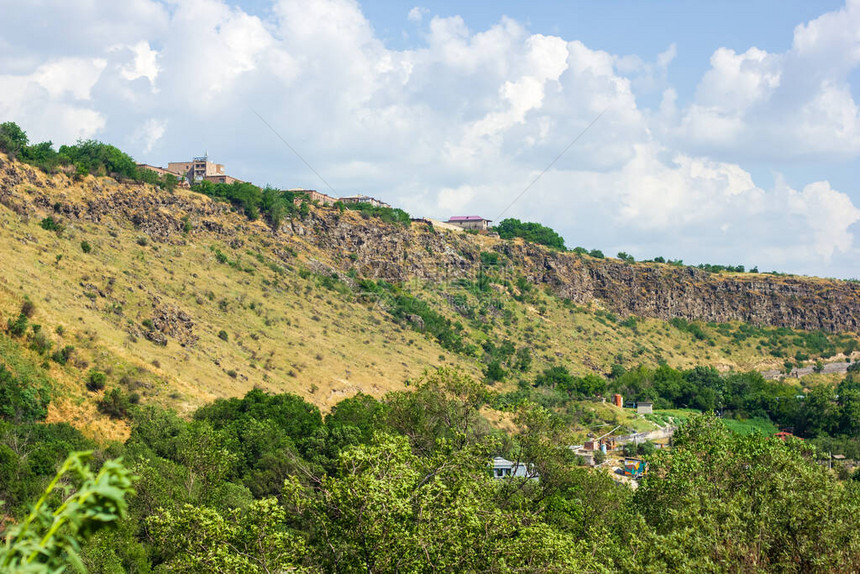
197 169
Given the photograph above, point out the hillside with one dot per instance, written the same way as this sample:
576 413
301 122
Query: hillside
183 299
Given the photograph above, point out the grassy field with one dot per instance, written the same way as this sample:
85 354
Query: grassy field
750 426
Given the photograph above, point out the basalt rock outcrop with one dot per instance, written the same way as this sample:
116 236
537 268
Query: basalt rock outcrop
329 239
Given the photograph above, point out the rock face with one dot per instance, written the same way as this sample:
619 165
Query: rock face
651 290
328 240
171 321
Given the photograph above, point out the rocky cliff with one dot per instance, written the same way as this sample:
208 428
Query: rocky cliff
352 241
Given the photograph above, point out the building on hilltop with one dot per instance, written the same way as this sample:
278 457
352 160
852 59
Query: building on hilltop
363 199
194 171
197 169
313 195
470 222
222 179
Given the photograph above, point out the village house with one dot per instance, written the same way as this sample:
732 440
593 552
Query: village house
644 407
503 468
470 222
363 199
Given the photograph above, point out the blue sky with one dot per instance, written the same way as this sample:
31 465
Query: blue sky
731 131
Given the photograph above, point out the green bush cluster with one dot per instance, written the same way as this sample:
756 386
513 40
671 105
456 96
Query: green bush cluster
392 215
532 232
86 157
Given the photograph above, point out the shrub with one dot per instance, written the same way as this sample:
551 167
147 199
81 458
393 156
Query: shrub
142 241
96 381
86 247
63 355
19 326
27 308
115 404
49 224
222 334
20 399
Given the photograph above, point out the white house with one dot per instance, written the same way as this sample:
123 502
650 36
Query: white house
503 468
470 222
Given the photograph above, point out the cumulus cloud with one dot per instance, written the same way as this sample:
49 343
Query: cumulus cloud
417 14
463 122
792 105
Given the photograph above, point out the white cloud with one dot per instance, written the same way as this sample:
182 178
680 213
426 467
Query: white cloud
417 14
791 105
465 121
145 64
150 132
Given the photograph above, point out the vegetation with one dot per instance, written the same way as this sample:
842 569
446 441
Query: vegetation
533 232
390 215
264 483
86 157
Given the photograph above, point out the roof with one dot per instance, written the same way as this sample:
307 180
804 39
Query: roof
468 218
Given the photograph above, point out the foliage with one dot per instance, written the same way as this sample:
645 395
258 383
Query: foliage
533 232
49 540
200 539
116 403
12 139
390 215
22 399
722 501
96 380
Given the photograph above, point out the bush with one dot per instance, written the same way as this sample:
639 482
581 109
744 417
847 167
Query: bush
63 355
533 232
19 326
116 404
86 247
27 308
96 381
50 224
22 400
222 334
494 372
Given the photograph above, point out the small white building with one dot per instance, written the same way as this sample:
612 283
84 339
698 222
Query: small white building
470 222
644 407
503 468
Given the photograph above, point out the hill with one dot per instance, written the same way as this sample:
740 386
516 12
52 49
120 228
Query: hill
183 299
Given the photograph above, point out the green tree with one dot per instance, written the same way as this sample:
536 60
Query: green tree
720 501
533 232
202 540
12 139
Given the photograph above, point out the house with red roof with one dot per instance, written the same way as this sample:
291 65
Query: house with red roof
470 222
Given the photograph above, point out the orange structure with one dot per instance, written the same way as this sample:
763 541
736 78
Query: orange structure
618 401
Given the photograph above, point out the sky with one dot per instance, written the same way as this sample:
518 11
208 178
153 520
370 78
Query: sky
722 132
